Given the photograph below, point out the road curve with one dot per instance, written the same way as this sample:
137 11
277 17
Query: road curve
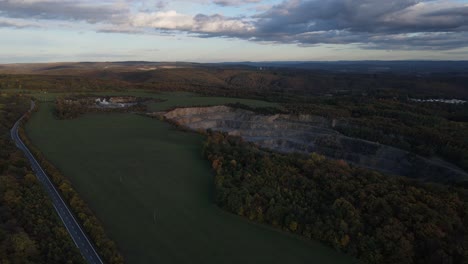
74 229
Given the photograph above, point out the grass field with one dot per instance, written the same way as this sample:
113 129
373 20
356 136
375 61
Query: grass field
187 99
149 185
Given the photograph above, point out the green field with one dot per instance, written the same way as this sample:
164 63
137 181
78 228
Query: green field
152 189
187 99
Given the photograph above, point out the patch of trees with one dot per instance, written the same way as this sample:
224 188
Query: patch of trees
376 218
30 230
106 248
70 110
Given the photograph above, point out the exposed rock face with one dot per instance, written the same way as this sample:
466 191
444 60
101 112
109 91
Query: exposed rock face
306 134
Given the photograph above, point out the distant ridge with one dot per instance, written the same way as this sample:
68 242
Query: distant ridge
406 66
418 67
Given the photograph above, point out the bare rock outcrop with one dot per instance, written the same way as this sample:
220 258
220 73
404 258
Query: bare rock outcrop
307 134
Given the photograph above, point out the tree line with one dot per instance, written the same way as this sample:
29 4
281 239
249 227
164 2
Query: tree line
30 230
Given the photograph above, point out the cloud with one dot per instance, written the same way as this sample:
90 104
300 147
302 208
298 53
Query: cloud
163 20
373 24
17 23
64 10
120 30
203 24
220 24
235 2
419 41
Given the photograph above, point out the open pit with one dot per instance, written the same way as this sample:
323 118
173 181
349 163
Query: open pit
307 134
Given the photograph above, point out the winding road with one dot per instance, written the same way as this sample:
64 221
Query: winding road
77 234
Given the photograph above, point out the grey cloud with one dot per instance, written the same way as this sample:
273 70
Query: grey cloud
426 41
4 24
357 15
234 2
161 4
119 30
373 23
62 10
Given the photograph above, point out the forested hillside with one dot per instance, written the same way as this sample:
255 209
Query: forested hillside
30 230
376 218
273 84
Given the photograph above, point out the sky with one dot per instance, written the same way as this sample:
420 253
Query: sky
232 30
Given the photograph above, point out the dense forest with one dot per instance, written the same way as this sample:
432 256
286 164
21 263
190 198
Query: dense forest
376 218
30 230
278 84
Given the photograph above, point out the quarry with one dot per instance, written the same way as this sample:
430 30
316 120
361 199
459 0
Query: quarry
307 134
